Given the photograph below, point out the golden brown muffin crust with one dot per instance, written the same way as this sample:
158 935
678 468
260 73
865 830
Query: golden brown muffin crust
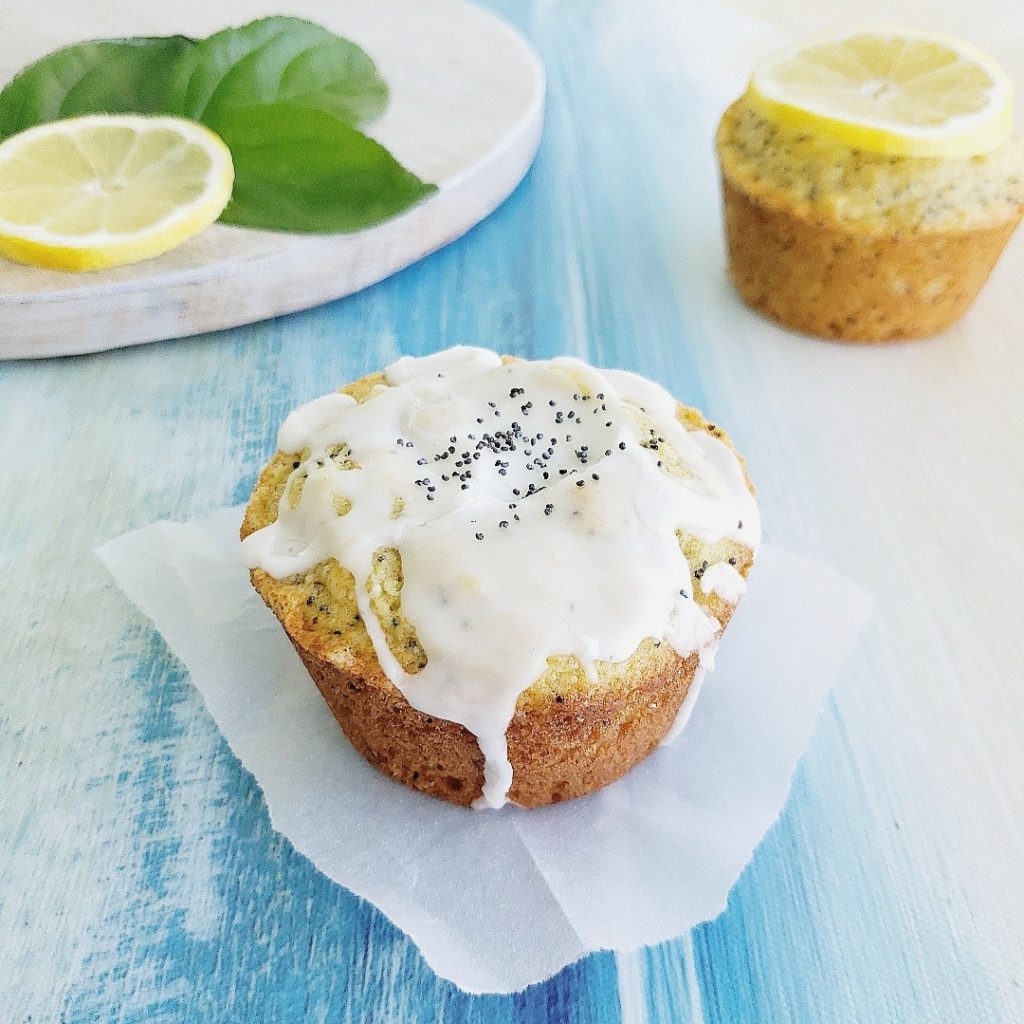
855 247
824 181
569 735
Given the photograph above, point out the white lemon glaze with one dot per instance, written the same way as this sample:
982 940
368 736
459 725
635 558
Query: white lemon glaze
537 520
724 580
686 708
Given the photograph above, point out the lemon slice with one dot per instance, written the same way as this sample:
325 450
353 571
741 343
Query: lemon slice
888 91
105 190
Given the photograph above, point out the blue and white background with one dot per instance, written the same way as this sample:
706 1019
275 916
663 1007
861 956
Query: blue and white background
139 878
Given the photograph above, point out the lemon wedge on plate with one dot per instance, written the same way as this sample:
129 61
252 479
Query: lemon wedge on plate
105 190
904 94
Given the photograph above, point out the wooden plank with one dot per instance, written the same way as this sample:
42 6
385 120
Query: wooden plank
139 877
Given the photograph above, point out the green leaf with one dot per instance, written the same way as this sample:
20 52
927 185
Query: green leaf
277 60
284 94
113 76
302 169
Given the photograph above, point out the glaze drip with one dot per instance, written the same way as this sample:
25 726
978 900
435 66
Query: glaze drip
535 507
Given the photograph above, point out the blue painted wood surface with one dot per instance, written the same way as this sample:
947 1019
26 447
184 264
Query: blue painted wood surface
139 877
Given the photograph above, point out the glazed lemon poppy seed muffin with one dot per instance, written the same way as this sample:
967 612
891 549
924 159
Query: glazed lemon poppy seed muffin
832 228
504 576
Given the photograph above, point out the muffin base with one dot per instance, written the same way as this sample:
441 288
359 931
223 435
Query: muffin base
817 278
560 748
570 735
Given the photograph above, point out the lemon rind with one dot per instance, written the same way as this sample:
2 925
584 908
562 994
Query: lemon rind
962 138
42 248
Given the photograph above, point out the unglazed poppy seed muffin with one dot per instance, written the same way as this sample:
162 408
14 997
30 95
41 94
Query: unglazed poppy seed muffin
845 242
503 575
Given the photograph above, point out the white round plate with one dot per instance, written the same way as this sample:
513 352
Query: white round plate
467 103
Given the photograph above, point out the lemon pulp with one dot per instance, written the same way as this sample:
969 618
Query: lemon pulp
106 190
891 92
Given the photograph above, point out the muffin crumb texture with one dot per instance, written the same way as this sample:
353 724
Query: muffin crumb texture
580 723
856 246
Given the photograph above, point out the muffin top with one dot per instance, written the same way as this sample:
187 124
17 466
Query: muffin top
819 178
478 522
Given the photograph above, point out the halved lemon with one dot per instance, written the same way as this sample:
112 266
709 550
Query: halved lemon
890 91
105 190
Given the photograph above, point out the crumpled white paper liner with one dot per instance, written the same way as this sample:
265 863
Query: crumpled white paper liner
498 900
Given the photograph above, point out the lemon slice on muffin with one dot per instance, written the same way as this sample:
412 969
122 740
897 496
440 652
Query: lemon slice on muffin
900 93
105 190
